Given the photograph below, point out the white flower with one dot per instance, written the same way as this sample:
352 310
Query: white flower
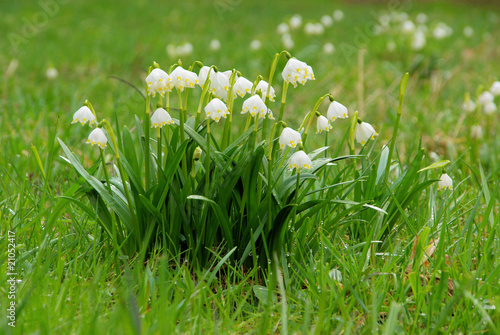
441 31
489 108
322 124
365 132
220 85
255 106
51 73
300 160
476 132
326 20
288 43
160 118
469 106
295 21
495 88
214 45
418 41
183 78
337 110
255 45
485 98
270 114
297 71
408 27
98 137
84 115
445 182
421 18
338 15
242 86
158 81
289 137
184 50
262 86
468 31
282 28
310 28
328 48
203 75
216 109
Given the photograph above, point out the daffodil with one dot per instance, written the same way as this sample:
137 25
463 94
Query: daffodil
84 115
158 81
262 86
296 71
160 118
337 110
242 86
322 124
97 137
289 137
445 182
216 109
365 132
255 106
183 78
299 161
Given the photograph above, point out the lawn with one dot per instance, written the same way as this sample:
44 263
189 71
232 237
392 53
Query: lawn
205 225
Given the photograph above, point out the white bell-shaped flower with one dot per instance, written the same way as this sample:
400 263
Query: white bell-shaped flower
97 137
445 182
270 114
220 85
296 71
255 106
365 132
289 137
322 124
183 78
203 75
262 86
489 108
299 161
242 86
84 115
485 98
160 118
295 21
216 109
495 88
158 81
337 111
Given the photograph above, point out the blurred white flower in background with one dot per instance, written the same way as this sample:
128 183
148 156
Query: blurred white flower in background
418 41
282 28
495 88
441 31
489 108
485 98
328 48
476 132
421 18
408 27
468 31
338 15
51 73
179 51
287 41
295 21
255 45
214 45
469 106
326 20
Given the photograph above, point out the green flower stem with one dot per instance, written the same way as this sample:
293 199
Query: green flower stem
306 123
402 90
352 132
104 123
89 105
181 116
294 215
159 152
247 124
106 175
207 161
226 136
202 100
146 141
283 100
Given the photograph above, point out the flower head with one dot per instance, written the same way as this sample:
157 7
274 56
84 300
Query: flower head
183 78
485 98
242 86
365 132
220 85
300 160
445 182
98 137
337 110
469 106
160 118
158 81
216 109
495 88
84 115
262 86
322 124
297 71
489 108
203 75
255 106
289 137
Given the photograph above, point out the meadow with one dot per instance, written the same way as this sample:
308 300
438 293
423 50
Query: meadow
229 223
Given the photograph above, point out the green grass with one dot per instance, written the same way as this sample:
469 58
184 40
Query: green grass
73 280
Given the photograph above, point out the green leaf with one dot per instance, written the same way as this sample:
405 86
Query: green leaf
436 165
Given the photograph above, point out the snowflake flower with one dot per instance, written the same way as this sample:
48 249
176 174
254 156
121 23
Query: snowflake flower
97 137
289 137
216 109
160 118
300 160
337 110
84 115
297 71
365 132
322 124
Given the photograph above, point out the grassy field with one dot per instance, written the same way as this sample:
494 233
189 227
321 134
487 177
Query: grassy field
386 252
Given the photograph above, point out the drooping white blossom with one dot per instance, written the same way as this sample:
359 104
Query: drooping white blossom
97 137
216 109
365 132
183 78
158 81
220 85
322 124
296 71
262 86
242 86
495 88
485 98
489 108
299 161
445 182
255 106
289 137
160 118
84 115
337 111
